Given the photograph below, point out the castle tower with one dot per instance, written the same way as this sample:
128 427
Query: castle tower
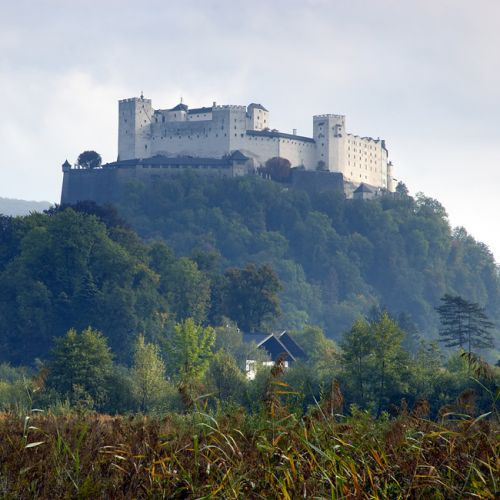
134 128
329 135
390 180
257 117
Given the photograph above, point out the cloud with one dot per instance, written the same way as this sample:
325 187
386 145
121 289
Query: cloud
424 75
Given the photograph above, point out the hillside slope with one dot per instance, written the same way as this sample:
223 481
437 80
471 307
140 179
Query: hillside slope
337 258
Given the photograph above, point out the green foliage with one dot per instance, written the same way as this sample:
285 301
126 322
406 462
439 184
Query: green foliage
148 375
250 296
65 271
464 324
321 351
80 366
336 258
226 380
277 169
189 349
89 159
229 338
375 366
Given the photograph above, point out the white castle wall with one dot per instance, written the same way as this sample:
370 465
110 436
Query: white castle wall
365 161
219 130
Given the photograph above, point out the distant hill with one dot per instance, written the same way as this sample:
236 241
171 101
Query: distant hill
9 206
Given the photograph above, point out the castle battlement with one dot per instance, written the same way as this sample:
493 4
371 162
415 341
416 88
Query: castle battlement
230 106
328 115
215 132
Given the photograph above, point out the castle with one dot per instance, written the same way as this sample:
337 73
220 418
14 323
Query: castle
227 140
217 131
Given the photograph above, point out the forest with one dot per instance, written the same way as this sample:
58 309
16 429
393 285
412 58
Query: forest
336 258
144 311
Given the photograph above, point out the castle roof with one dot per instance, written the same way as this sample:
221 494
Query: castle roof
180 107
200 110
257 106
274 133
363 188
238 155
181 161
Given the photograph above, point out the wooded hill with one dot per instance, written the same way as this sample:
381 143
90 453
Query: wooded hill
337 259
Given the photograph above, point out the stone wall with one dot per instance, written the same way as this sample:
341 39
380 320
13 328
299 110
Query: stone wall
316 181
107 185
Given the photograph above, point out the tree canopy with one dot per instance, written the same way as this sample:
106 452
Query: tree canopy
335 258
89 159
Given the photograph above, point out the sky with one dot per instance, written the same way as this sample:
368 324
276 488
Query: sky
424 75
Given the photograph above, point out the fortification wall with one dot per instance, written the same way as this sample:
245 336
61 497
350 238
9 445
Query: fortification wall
316 181
107 185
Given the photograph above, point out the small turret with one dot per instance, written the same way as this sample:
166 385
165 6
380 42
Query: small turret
66 166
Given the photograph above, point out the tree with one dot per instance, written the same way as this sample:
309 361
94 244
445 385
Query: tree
401 189
228 338
189 349
321 351
148 374
250 296
278 169
226 379
357 349
464 324
453 316
80 365
389 358
89 159
374 362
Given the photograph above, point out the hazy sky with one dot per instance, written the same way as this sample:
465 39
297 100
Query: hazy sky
424 75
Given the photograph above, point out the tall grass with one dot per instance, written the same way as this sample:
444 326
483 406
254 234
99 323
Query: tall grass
232 454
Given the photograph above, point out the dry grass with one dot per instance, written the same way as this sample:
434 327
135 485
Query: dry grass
241 456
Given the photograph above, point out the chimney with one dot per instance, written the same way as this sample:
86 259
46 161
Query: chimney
214 104
294 131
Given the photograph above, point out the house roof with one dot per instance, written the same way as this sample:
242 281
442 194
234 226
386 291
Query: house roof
363 188
292 346
276 344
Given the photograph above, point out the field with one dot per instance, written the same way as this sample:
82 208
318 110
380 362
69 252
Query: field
230 454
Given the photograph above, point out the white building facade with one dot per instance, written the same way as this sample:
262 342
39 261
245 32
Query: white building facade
219 130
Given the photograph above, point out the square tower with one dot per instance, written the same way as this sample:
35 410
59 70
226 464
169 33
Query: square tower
329 135
134 128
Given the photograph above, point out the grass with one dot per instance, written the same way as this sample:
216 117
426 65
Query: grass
236 455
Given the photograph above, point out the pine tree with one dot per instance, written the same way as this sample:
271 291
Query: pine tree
453 317
464 324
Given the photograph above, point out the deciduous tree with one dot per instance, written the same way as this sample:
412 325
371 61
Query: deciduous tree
80 365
